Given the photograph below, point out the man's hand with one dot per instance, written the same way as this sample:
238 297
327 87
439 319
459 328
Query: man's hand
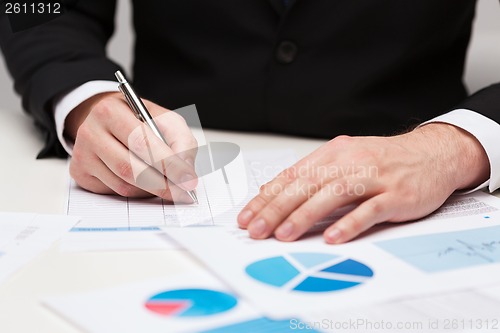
116 153
390 179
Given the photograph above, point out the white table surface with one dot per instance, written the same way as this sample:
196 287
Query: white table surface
40 186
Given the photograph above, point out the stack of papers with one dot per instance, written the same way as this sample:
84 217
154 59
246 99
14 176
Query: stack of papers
443 266
24 236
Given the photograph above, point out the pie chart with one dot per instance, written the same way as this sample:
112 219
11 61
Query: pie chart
310 272
190 303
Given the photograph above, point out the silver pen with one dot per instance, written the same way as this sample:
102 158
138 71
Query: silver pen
142 113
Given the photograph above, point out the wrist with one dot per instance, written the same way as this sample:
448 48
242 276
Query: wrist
458 153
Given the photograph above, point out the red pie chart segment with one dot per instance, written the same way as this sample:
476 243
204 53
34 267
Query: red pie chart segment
184 303
168 308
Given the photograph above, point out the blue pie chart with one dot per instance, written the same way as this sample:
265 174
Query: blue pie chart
310 272
190 303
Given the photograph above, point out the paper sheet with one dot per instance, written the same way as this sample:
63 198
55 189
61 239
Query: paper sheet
289 279
116 223
24 236
465 310
181 303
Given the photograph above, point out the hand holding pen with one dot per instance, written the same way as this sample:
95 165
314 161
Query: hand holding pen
142 113
111 144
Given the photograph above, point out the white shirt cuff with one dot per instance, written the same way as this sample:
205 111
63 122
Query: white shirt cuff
486 131
66 103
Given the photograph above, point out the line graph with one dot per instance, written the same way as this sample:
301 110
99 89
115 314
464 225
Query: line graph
446 251
483 250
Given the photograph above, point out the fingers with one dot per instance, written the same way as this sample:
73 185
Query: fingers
267 192
282 205
307 168
133 172
148 147
375 210
113 149
301 204
118 120
103 181
332 196
177 133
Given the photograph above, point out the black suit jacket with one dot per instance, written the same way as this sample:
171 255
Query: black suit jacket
315 68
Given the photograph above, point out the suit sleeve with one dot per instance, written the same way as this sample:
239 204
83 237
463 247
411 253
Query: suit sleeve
53 58
486 102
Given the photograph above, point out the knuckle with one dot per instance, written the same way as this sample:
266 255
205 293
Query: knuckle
303 216
192 142
289 174
305 188
168 118
264 188
103 109
375 207
138 142
308 180
170 168
270 189
367 157
84 133
125 171
311 184
275 208
257 204
341 141
177 117
77 157
356 224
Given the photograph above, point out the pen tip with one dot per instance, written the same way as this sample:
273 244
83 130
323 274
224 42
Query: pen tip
194 197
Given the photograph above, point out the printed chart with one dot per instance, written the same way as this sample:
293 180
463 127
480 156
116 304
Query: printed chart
190 303
448 250
310 272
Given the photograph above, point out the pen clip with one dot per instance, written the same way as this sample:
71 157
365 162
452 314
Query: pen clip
130 104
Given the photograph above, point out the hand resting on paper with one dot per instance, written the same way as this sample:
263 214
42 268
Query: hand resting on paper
391 179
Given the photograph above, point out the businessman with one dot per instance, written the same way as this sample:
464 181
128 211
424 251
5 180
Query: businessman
382 78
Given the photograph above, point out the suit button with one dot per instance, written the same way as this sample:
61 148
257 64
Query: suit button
286 52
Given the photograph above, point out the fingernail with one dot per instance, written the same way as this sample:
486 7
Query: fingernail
285 230
188 182
245 217
257 228
333 235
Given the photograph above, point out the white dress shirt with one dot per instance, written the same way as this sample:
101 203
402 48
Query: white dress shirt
485 130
